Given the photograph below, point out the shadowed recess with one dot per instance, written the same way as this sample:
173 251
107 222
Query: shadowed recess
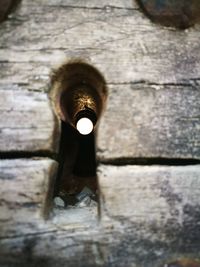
78 96
6 7
77 165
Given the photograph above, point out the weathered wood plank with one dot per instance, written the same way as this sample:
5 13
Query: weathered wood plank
152 195
159 204
88 4
121 42
26 200
126 47
151 120
148 215
26 188
27 122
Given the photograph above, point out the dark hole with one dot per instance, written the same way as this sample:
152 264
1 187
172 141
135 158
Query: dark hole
76 178
85 163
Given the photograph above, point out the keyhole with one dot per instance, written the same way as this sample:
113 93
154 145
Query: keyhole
79 94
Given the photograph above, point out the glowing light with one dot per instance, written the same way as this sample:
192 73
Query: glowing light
84 126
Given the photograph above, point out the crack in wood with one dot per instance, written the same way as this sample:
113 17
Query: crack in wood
27 154
149 161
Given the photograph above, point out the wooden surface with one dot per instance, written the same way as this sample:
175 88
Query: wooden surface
25 194
27 122
147 215
120 41
27 199
151 195
149 121
126 47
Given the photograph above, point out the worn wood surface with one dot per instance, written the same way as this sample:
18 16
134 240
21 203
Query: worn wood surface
146 121
26 188
120 41
126 47
27 122
147 214
26 201
155 196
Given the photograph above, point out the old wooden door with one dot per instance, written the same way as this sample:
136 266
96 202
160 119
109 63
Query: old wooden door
148 144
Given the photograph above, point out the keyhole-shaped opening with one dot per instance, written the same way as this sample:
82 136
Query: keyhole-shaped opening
78 94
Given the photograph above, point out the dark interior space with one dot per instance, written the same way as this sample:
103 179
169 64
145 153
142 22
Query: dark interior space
76 178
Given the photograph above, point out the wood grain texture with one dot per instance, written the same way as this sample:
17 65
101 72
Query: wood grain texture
87 4
127 48
120 41
27 122
151 195
160 204
150 120
148 215
26 188
26 200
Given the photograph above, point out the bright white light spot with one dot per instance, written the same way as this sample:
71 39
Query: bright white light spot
84 126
